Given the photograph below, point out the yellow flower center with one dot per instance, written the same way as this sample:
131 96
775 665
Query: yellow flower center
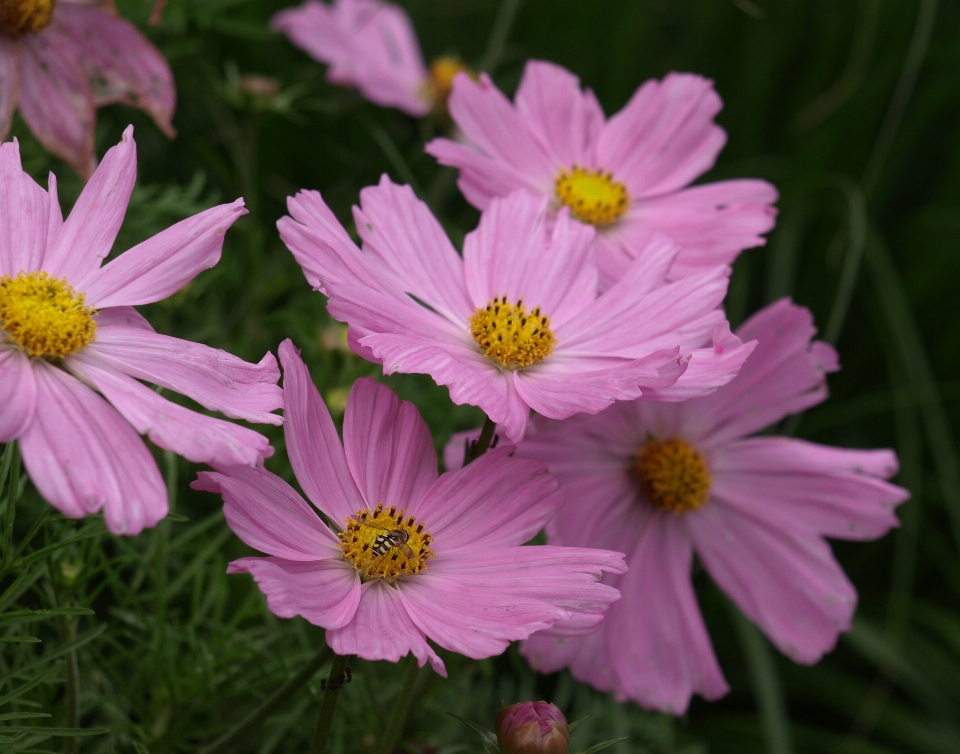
25 16
592 195
44 316
440 80
385 544
673 475
510 336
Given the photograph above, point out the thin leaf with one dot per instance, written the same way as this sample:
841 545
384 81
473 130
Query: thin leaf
598 747
489 738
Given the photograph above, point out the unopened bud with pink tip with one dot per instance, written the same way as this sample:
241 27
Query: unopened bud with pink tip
532 728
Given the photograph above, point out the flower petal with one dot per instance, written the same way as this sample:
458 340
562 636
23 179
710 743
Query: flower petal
402 232
162 265
83 456
118 61
216 379
656 632
198 438
313 444
269 515
382 630
836 492
87 236
324 592
18 393
9 84
567 120
24 215
493 501
499 142
585 656
665 136
56 100
783 577
388 446
515 251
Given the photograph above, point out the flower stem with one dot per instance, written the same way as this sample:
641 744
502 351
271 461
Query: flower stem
399 718
329 704
270 705
482 444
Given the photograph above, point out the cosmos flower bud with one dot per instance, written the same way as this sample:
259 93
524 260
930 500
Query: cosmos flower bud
532 728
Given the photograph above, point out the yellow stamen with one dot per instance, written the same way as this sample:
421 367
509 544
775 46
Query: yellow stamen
440 80
511 337
386 543
592 195
673 475
44 316
25 16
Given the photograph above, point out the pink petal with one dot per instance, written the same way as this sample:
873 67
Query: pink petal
324 592
118 61
87 236
712 223
403 234
664 137
835 492
708 368
784 374
368 44
512 156
515 252
268 514
494 501
198 438
382 630
566 120
655 632
782 576
216 379
56 101
162 265
24 215
83 456
388 446
18 393
313 444
122 316
9 84
585 656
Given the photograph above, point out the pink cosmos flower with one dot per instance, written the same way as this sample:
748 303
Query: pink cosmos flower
516 323
662 481
73 349
371 45
62 59
628 176
409 554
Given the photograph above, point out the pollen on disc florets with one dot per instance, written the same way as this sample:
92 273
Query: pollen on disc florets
44 316
440 80
592 195
386 543
510 336
673 476
25 16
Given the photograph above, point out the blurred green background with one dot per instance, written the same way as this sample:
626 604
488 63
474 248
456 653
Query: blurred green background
850 107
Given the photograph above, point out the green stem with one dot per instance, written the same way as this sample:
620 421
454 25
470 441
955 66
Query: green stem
399 718
72 684
483 442
270 705
498 35
329 704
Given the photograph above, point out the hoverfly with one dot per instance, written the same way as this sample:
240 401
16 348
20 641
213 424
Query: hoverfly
389 539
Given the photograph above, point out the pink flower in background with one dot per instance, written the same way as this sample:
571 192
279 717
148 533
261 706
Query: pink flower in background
371 45
661 482
62 59
67 324
516 322
628 176
413 555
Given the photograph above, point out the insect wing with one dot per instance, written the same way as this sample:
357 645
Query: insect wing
371 524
